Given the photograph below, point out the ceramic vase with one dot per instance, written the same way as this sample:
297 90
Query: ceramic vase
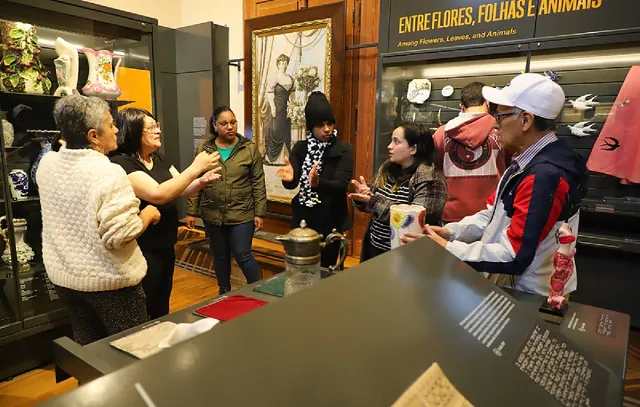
45 148
66 68
403 219
23 251
20 67
19 181
7 131
102 78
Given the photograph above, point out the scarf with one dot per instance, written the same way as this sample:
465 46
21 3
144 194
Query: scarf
315 151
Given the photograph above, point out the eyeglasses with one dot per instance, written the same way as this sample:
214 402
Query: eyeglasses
153 129
233 123
499 116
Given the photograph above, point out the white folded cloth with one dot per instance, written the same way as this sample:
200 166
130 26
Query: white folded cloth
182 332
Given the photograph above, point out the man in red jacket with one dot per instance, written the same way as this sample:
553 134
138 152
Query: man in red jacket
468 153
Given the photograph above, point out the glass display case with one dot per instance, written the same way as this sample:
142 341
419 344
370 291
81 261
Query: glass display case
585 68
446 77
111 45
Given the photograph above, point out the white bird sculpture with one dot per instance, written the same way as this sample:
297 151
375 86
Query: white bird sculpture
582 103
582 130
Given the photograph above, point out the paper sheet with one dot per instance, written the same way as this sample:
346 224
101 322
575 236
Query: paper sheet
432 389
144 343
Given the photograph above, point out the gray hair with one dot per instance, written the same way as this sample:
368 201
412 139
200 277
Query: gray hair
75 115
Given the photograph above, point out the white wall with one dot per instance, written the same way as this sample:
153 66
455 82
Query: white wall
168 12
181 13
229 13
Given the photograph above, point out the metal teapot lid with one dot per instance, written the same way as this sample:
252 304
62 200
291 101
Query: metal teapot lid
303 234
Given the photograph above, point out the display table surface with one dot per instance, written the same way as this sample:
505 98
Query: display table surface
361 338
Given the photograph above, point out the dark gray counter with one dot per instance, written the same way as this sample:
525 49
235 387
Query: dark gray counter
361 338
99 358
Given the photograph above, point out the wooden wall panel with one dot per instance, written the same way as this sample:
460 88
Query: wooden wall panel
367 15
270 8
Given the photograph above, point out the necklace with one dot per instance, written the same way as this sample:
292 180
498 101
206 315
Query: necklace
148 165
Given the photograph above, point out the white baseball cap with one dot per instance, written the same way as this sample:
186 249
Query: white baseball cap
531 92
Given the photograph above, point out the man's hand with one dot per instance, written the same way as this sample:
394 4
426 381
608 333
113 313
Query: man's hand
440 231
258 222
429 231
438 234
190 222
314 177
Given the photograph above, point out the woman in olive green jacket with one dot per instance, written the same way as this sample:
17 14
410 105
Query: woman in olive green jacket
232 208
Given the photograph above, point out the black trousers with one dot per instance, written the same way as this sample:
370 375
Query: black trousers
369 251
96 315
158 282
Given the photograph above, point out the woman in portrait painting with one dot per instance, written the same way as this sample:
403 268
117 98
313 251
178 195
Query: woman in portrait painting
278 94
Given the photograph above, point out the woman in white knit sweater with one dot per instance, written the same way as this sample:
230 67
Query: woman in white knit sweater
91 219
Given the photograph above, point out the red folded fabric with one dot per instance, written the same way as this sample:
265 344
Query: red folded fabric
230 307
618 146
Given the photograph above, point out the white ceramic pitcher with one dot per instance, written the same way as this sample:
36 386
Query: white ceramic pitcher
102 79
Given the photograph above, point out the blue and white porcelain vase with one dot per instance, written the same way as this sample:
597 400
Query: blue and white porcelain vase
46 147
19 181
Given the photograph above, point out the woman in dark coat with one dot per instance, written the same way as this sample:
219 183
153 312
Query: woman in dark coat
322 166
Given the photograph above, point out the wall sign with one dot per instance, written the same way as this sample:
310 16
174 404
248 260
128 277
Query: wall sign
581 16
419 24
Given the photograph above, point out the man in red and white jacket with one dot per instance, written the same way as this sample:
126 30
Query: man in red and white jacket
518 233
468 153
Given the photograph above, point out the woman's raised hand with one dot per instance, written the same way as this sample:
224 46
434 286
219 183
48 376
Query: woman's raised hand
285 173
361 186
205 162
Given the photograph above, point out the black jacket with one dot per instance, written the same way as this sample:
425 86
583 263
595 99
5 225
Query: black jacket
337 171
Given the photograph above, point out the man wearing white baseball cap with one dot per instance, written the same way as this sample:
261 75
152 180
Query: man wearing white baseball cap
517 235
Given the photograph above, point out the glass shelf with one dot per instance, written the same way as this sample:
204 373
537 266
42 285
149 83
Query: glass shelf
15 97
29 199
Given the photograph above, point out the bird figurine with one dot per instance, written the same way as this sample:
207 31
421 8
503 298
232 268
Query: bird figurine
582 130
552 75
583 103
563 266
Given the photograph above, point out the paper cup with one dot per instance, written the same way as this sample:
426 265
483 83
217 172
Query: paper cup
405 218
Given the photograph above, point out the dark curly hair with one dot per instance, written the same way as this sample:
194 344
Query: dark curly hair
214 118
418 136
282 57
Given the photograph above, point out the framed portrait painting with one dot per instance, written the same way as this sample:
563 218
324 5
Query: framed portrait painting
291 55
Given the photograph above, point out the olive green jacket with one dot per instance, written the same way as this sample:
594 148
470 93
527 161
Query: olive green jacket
239 194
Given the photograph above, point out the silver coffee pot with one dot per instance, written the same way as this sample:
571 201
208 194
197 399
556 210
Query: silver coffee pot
303 247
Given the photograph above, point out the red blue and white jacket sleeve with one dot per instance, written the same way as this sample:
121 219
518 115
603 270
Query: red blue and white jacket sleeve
537 205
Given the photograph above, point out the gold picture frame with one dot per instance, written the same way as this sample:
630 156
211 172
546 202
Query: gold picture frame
318 48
